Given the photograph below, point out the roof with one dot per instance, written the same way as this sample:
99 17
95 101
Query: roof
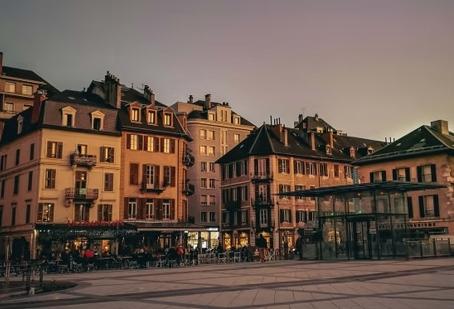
203 114
28 75
421 141
266 141
386 186
314 122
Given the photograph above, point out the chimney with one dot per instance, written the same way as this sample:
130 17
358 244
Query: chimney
1 63
149 95
331 139
113 90
207 104
441 126
191 99
40 97
284 135
312 139
300 117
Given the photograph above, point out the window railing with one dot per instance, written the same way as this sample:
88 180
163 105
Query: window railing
83 160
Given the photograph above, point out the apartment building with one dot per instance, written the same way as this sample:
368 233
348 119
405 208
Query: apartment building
60 176
154 163
424 155
17 87
274 159
215 129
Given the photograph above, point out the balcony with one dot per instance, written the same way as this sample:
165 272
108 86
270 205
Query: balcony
83 160
188 159
81 194
263 202
151 187
261 177
189 189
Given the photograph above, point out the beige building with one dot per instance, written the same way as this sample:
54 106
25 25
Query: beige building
215 129
424 155
17 87
60 176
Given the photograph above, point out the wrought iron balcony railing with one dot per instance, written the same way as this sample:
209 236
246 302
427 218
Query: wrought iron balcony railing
81 194
83 160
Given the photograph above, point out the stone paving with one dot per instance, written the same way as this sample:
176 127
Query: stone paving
281 284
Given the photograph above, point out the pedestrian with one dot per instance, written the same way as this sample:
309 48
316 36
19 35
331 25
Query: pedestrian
261 245
299 246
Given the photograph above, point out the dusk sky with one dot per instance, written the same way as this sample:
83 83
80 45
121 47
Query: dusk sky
370 68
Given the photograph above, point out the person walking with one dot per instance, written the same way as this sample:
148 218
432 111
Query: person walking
299 246
261 245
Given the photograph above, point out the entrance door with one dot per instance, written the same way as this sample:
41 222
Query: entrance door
361 239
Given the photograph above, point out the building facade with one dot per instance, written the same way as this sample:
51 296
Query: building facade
17 87
274 159
423 155
215 129
154 184
59 170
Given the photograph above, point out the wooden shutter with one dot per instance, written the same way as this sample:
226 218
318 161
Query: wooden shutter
383 175
256 166
139 142
49 150
410 206
421 207
128 141
158 209
140 208
436 206
133 173
161 148
40 213
111 155
267 161
172 176
295 163
407 174
145 142
125 208
51 213
433 169
59 150
371 177
101 154
156 143
419 173
157 180
144 174
77 213
289 215
281 215
394 174
172 145
100 212
288 167
172 209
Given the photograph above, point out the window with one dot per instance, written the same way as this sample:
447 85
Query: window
427 173
133 141
2 193
348 171
204 200
336 170
166 211
13 214
203 166
151 175
298 167
27 90
401 174
283 189
211 116
299 188
301 216
285 215
169 176
105 212
32 151
210 135
54 150
50 178
132 208
97 123
45 212
410 207
10 87
311 168
212 216
108 181
168 119
149 209
263 217
212 200
166 145
211 150
81 212
212 183
203 183
203 150
324 169
236 138
236 120
429 206
8 107
28 209
17 156
284 166
30 181
16 184
203 216
150 143
378 176
135 114
212 167
203 134
82 149
133 174
20 124
107 154
68 120
244 217
151 115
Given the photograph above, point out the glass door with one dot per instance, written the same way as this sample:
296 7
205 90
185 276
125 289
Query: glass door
81 183
361 239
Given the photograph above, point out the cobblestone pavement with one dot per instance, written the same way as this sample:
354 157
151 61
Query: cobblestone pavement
280 284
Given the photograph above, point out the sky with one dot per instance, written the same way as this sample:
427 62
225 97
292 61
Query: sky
373 69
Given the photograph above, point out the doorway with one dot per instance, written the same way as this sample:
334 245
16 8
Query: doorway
360 238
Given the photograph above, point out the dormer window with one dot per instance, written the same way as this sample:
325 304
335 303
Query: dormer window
20 124
135 114
168 119
328 150
151 117
211 116
236 120
68 116
97 121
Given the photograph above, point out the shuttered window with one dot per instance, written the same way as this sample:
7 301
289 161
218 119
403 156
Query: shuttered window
54 150
108 181
133 174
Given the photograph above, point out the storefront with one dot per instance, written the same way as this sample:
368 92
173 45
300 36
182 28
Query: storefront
204 240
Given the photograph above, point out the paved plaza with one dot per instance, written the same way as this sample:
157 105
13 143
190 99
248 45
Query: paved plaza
282 284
